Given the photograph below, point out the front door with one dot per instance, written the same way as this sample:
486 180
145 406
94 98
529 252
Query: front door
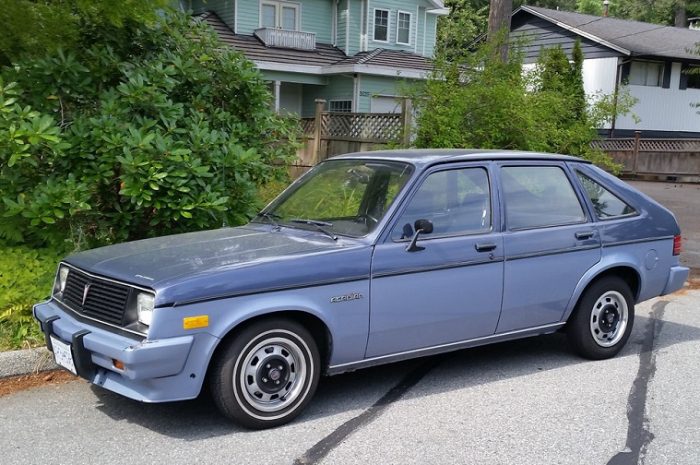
449 289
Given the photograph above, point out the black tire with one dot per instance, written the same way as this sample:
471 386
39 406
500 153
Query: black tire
287 366
602 320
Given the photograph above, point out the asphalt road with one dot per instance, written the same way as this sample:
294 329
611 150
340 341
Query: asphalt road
684 201
524 402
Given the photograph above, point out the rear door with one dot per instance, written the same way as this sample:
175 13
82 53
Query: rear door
549 241
450 290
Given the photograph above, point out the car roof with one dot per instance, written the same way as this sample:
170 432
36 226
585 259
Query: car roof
434 156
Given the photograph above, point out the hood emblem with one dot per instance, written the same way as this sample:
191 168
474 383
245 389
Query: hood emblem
86 289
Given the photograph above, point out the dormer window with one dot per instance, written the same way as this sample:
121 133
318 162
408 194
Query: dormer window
279 15
381 25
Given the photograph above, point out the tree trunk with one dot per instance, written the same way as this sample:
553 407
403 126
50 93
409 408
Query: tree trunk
681 16
499 20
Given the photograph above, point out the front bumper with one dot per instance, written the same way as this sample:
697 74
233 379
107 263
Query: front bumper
154 371
676 279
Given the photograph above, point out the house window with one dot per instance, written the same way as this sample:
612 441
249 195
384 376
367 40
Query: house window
381 25
693 76
279 15
403 34
340 106
646 73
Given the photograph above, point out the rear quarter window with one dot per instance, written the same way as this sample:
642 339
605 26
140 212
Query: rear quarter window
605 204
539 196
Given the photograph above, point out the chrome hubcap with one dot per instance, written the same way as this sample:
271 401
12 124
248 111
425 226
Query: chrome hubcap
609 319
273 373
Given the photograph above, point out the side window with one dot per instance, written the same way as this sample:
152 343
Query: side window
539 196
605 203
455 201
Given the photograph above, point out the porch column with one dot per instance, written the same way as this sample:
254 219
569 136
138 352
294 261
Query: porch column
278 88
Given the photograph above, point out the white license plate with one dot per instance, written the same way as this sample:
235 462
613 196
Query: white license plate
63 355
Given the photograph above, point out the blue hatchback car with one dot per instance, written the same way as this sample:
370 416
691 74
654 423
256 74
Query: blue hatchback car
367 259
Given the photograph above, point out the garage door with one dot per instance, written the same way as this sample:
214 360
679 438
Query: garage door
382 104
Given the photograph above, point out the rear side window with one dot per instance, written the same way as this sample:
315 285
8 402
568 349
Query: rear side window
606 204
539 196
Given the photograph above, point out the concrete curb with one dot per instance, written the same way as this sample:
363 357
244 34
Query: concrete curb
23 362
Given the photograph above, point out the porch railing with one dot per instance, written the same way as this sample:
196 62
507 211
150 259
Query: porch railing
272 37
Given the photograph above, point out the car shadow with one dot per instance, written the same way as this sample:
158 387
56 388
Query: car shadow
199 419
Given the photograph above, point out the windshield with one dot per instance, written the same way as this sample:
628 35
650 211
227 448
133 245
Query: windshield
345 197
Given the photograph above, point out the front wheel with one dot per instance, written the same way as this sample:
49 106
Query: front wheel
602 321
267 374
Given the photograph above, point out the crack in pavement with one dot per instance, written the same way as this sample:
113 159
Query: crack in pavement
638 434
321 449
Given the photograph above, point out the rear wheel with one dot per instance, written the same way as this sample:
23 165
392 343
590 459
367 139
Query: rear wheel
267 374
603 319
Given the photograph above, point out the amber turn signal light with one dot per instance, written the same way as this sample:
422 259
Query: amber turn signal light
118 364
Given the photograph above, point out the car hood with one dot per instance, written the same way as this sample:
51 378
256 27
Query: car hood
152 262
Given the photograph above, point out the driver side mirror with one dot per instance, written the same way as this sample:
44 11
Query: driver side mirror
421 227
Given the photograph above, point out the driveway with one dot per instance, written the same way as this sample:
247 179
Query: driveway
684 201
523 402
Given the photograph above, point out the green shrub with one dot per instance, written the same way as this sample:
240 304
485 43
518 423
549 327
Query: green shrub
26 277
173 133
477 101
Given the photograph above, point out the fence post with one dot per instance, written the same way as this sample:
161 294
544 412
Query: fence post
318 127
635 153
406 121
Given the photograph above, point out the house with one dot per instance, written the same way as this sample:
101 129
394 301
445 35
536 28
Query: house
651 61
355 54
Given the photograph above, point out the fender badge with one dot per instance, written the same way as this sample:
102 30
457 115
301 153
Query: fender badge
346 298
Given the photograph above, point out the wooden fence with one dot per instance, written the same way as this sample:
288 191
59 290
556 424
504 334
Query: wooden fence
666 159
330 133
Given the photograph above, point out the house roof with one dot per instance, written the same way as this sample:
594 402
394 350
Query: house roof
391 59
255 50
627 37
325 59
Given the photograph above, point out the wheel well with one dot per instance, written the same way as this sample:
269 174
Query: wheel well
627 274
318 329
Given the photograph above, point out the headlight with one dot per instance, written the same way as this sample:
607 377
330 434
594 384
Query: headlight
144 307
61 280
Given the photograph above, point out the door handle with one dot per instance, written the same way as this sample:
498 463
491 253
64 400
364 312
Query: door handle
485 247
583 235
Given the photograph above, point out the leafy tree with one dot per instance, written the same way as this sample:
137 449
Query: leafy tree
482 102
458 31
591 7
32 27
167 132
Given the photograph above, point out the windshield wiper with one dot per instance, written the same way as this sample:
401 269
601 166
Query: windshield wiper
271 217
319 225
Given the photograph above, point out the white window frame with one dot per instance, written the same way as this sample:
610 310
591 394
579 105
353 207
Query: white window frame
398 26
374 25
343 100
278 13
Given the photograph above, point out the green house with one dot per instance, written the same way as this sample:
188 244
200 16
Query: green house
355 54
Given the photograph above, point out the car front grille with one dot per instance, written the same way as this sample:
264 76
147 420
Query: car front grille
96 298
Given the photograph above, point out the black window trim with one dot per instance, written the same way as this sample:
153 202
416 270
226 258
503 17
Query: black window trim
583 202
419 183
597 218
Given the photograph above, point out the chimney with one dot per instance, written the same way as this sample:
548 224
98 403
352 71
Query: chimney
606 5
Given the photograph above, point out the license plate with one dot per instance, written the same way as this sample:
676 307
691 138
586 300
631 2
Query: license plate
63 355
